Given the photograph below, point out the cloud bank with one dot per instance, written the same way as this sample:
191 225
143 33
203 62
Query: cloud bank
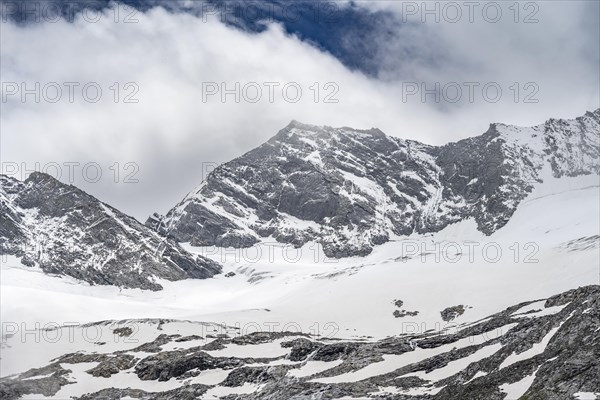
163 119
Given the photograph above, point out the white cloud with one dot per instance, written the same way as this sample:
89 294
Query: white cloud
171 132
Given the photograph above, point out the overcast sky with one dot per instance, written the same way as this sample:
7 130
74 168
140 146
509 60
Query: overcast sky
172 63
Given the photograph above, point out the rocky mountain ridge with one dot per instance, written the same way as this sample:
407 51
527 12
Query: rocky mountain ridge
351 190
65 231
346 189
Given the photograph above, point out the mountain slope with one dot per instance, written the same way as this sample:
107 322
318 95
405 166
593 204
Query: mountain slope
65 231
390 311
543 349
351 190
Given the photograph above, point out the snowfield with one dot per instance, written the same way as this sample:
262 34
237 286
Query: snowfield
544 251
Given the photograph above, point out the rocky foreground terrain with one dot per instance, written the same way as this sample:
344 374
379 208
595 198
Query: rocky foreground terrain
544 349
351 190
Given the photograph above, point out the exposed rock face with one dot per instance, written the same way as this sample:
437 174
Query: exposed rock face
242 375
124 331
301 348
166 365
404 313
190 392
65 231
450 313
351 190
50 379
551 354
113 365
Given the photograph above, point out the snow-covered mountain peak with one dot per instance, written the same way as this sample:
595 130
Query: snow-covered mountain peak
353 189
324 135
65 231
571 147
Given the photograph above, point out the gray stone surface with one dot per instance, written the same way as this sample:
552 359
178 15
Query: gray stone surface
65 231
451 313
567 365
352 189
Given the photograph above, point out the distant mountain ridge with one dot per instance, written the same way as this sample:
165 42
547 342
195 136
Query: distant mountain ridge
347 189
65 231
352 189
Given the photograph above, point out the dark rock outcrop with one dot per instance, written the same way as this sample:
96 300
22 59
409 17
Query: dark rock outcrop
450 313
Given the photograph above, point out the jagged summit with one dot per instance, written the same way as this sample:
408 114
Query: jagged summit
303 129
353 189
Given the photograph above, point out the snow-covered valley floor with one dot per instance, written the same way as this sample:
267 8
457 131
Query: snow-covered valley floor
550 245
